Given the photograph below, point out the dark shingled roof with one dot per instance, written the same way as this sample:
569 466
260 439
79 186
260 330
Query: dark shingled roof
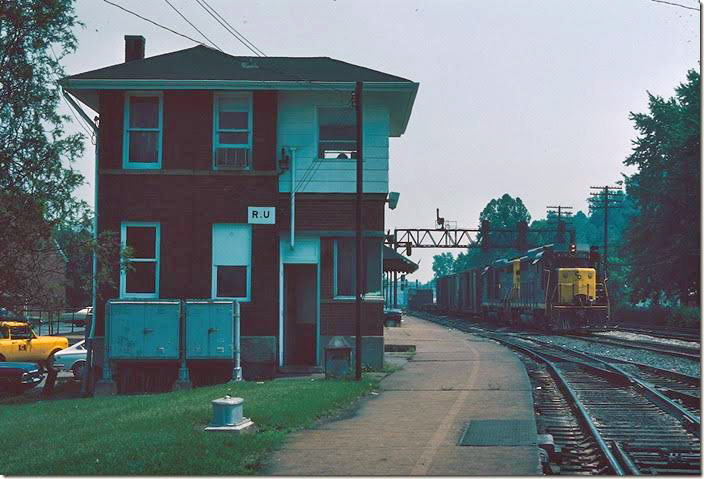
204 63
394 261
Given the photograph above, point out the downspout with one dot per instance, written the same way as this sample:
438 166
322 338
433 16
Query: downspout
293 197
237 376
91 335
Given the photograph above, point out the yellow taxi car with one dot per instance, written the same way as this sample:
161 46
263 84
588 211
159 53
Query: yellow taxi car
19 343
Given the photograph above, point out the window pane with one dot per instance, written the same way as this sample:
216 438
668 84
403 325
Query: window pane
239 138
21 332
141 278
236 120
338 132
144 112
231 281
345 267
143 147
337 117
372 250
230 103
142 240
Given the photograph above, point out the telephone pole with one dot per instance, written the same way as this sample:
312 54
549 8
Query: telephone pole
605 197
561 228
358 237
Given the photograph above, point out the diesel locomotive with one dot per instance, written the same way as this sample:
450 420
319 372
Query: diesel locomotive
553 287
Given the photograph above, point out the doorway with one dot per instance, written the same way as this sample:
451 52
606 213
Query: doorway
300 314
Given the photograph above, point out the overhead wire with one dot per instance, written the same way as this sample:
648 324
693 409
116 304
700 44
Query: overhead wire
191 24
676 4
234 29
153 22
241 38
91 134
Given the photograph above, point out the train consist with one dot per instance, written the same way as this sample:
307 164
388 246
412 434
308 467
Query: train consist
553 287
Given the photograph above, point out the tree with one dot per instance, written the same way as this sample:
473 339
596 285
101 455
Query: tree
502 213
505 212
37 180
662 242
443 264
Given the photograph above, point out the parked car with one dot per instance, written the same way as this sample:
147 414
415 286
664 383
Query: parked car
71 359
80 317
17 377
19 343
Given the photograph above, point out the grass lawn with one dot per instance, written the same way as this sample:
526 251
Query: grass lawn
163 434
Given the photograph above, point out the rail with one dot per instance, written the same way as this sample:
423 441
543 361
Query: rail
54 322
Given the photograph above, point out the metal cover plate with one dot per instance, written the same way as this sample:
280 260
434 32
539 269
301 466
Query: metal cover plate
500 432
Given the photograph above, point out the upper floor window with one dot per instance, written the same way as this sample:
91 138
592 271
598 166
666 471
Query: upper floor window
143 131
140 276
337 133
232 131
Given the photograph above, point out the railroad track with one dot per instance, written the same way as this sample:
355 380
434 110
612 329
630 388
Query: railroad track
628 424
671 349
694 336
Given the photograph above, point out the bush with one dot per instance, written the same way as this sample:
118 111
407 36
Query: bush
657 316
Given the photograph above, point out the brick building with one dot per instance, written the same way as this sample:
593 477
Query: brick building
200 157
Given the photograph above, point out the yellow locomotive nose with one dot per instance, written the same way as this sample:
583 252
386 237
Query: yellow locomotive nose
576 284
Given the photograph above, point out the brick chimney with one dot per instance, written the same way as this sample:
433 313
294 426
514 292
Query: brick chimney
134 47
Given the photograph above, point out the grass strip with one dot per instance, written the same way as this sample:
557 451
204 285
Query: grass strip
162 434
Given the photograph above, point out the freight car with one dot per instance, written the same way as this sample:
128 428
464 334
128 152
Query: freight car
551 287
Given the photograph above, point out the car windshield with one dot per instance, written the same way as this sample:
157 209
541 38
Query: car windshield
4 333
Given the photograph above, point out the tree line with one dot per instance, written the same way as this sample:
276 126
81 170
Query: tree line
654 234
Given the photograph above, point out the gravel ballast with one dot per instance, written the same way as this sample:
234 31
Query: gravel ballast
658 360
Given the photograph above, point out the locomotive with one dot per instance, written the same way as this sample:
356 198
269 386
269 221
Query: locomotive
553 287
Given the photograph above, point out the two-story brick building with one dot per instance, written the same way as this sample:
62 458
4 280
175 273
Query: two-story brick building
200 156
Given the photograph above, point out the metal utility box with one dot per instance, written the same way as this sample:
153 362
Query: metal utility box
210 329
147 329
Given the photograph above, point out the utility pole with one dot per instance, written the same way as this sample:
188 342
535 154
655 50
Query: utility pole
358 243
605 197
560 224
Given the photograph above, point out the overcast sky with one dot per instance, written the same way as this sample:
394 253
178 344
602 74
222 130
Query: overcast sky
526 97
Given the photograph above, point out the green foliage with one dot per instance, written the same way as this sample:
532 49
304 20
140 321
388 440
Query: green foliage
662 242
657 315
443 264
36 177
162 434
505 212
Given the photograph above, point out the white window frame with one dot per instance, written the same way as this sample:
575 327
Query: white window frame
317 132
126 164
214 272
157 251
217 130
370 295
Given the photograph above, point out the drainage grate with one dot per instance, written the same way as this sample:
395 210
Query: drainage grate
399 348
500 432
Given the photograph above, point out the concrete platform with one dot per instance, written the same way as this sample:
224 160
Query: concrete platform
413 427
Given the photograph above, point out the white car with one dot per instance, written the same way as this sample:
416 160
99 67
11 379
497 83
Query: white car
72 359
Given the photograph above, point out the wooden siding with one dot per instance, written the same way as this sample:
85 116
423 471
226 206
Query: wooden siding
298 126
331 212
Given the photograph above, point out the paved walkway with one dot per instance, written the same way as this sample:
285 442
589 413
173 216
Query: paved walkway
413 426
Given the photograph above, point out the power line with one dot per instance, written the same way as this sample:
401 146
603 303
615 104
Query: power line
233 28
153 22
241 38
191 24
675 4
